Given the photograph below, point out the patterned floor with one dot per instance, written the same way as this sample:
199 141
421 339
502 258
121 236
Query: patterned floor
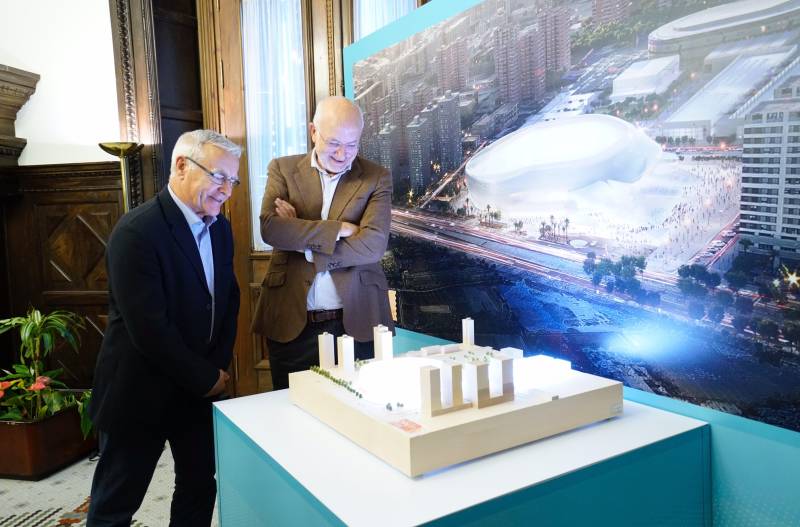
62 499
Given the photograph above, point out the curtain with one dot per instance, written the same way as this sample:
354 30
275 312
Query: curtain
274 93
371 15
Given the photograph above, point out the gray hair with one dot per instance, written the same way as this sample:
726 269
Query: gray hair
190 144
336 103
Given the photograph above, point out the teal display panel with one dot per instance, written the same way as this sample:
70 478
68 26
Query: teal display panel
252 489
665 484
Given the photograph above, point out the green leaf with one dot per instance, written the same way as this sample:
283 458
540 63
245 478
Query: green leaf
47 341
12 415
83 410
55 401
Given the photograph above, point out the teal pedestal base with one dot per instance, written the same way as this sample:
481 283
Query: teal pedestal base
269 473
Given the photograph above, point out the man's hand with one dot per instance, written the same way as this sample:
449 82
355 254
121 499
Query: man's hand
284 209
219 387
347 229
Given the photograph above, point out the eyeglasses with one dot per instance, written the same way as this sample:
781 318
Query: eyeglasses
217 177
336 145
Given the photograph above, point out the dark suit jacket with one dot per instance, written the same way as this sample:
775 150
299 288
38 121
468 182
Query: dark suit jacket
363 197
156 353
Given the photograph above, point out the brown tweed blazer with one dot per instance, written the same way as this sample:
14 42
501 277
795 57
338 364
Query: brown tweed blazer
363 197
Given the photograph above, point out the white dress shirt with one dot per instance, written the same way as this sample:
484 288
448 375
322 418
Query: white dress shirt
202 238
322 294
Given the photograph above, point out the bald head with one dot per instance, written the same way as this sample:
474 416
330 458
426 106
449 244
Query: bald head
338 110
335 131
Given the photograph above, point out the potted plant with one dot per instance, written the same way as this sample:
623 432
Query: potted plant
43 426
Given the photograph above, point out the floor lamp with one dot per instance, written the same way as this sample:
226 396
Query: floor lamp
124 151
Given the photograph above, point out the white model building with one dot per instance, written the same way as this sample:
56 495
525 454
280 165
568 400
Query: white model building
327 360
347 354
450 403
382 340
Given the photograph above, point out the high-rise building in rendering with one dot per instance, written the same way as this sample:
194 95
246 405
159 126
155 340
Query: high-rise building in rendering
431 114
506 63
418 134
452 66
554 21
449 127
368 146
366 101
389 154
530 43
770 201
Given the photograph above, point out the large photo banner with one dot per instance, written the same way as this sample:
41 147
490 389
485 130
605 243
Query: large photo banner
612 183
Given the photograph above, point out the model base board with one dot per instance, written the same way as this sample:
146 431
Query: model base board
417 431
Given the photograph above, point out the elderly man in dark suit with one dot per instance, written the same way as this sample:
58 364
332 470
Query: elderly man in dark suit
173 303
327 216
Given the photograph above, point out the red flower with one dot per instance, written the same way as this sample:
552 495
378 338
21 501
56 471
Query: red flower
43 380
35 387
2 393
5 385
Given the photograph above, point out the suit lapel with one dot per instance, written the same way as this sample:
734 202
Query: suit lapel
345 190
309 187
183 234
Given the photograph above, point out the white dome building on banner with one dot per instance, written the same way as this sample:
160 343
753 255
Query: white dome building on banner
543 163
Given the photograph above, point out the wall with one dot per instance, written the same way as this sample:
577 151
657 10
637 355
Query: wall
75 105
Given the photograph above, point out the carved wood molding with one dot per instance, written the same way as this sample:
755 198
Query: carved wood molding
16 87
137 90
103 175
126 85
330 31
10 149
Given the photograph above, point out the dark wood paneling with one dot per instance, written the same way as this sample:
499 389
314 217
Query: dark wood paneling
178 64
176 7
56 234
5 296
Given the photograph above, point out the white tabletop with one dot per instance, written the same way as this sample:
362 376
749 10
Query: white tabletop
359 488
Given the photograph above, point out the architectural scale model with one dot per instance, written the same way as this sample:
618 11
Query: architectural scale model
442 405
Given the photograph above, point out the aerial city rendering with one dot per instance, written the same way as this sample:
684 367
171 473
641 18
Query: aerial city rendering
614 183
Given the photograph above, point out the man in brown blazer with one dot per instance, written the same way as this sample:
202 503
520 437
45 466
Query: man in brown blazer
327 216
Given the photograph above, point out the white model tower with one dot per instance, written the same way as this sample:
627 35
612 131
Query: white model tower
382 340
326 351
347 358
468 332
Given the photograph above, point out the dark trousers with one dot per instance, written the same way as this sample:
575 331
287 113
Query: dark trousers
303 352
128 459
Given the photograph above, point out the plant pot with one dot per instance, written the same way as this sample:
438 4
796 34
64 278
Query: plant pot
33 450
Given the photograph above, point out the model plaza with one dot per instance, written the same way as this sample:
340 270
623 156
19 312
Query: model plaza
442 405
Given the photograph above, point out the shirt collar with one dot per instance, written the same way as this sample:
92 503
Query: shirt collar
191 216
315 164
